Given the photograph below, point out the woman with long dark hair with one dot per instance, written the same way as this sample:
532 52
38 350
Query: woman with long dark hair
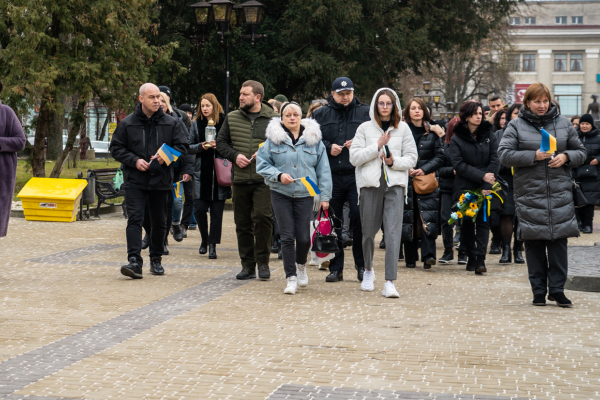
473 151
421 214
208 194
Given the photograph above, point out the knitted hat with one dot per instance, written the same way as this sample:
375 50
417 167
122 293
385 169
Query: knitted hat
281 98
587 118
186 107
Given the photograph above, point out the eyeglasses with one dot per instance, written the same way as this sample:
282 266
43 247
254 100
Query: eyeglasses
385 105
322 101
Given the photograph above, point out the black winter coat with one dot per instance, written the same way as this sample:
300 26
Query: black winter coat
339 124
206 186
446 173
591 187
188 158
473 157
431 159
138 136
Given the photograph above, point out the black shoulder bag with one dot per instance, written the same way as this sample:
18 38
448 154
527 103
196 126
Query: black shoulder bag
325 243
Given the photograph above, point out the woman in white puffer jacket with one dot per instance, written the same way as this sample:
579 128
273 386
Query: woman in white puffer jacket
382 181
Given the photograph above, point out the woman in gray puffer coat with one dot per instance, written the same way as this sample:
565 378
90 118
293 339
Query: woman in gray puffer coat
543 190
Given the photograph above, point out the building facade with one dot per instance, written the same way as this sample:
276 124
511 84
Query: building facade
557 42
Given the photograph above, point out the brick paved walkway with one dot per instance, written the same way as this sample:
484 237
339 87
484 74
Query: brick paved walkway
73 328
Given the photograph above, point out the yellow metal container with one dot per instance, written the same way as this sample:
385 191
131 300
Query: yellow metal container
48 199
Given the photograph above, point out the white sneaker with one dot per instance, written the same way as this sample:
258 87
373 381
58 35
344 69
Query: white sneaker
292 285
302 275
389 290
367 283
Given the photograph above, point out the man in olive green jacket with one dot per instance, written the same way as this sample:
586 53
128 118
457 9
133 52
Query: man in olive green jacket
243 131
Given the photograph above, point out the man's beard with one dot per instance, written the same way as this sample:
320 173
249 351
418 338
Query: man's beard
247 107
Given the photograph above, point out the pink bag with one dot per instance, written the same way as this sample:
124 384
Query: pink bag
325 228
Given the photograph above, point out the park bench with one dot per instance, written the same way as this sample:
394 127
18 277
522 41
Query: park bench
105 187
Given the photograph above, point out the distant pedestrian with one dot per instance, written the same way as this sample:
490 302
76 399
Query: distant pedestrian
588 174
12 140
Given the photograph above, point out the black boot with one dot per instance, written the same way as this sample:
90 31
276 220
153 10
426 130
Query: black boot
133 269
263 272
246 273
212 251
202 249
177 234
382 243
184 231
518 255
145 241
495 247
165 251
448 256
360 271
401 255
480 266
155 266
335 276
274 245
506 257
471 264
462 257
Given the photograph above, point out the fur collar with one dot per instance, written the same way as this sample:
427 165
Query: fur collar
277 135
482 132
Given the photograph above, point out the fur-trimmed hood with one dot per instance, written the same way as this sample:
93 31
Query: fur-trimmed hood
277 134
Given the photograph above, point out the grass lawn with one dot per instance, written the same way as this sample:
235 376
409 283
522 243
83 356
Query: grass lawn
67 173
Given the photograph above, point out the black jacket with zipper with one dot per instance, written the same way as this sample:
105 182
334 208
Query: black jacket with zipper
590 186
446 173
138 136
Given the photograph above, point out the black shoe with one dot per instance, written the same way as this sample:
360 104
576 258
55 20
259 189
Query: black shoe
202 249
335 276
246 273
471 264
495 248
462 257
382 243
447 258
192 228
177 234
429 261
506 256
480 266
411 265
280 255
401 255
360 271
212 251
539 300
184 232
155 266
275 246
347 241
165 251
518 255
560 299
133 269
145 241
263 272
587 229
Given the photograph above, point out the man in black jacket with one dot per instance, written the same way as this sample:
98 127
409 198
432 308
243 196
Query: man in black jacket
148 178
339 120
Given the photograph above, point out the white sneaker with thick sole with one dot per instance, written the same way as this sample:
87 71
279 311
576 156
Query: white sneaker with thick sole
292 285
367 283
389 290
302 275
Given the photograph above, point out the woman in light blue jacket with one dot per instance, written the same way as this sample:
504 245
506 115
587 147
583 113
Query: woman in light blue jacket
294 150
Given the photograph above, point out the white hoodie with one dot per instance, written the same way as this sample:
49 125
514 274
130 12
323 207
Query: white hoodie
365 155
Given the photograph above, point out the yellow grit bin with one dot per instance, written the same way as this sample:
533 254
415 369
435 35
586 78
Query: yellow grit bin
49 199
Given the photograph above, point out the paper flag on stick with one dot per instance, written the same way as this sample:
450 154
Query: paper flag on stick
177 190
312 187
548 144
168 154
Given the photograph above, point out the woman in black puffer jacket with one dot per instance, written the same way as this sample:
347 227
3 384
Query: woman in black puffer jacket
421 215
473 150
587 175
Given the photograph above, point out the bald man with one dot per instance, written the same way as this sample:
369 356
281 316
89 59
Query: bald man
148 179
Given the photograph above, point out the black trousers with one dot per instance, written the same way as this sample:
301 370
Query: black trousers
474 237
294 215
154 202
344 189
188 204
216 219
586 215
169 213
445 211
548 263
424 242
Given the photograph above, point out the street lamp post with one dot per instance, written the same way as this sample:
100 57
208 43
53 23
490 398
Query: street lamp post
226 14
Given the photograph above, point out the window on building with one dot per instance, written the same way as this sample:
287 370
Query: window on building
561 20
528 62
577 20
560 62
515 21
569 98
576 62
529 20
514 62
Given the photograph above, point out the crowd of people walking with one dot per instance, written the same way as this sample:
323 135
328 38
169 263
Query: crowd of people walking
396 170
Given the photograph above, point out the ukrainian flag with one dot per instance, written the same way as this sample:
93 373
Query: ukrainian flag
177 190
312 187
548 142
168 154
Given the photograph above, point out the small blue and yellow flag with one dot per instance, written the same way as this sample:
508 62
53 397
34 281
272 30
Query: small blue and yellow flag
312 187
548 144
385 175
177 190
168 154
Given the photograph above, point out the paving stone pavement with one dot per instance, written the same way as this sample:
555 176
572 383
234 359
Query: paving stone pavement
73 328
584 260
